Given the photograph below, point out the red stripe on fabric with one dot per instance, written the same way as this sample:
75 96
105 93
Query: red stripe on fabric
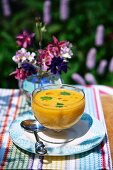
6 119
102 143
103 153
5 155
102 92
96 105
9 140
18 101
89 86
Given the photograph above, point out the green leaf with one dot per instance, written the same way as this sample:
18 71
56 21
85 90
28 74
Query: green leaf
54 28
46 98
59 105
65 93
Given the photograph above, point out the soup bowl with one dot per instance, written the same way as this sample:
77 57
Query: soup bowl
58 107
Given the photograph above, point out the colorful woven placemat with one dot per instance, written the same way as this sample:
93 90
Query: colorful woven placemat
12 103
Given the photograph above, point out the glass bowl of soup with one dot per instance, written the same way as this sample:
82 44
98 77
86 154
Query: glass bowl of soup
58 107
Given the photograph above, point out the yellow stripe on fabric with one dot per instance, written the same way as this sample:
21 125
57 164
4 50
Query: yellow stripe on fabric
54 162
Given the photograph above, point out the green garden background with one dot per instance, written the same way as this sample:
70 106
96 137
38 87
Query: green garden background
78 23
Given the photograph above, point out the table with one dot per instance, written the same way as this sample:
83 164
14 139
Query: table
107 104
12 102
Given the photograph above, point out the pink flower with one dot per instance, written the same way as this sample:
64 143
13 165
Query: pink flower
78 78
64 9
25 39
91 58
99 38
90 78
52 50
45 58
46 12
102 67
56 45
20 74
111 66
6 8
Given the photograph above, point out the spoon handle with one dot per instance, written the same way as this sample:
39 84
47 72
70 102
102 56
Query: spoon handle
39 146
36 136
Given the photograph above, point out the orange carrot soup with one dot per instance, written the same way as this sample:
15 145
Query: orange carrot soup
58 108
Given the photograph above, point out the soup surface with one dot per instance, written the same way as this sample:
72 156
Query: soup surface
58 98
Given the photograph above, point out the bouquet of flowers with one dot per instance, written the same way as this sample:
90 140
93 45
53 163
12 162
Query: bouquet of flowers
32 59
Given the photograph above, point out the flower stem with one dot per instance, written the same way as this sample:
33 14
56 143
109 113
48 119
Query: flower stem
38 31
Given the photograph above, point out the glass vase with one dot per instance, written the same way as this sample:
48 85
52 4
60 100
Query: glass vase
28 85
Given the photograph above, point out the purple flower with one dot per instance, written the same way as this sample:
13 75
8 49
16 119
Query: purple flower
24 71
102 66
58 65
46 12
25 39
111 66
52 59
78 79
90 78
64 9
54 49
29 68
91 58
99 38
6 8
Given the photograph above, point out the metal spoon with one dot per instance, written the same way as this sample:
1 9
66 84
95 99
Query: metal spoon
32 126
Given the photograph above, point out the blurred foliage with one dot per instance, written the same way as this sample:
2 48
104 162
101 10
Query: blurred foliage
79 29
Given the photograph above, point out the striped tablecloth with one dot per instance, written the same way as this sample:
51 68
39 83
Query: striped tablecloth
12 103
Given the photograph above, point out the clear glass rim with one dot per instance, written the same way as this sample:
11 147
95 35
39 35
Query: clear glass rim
58 85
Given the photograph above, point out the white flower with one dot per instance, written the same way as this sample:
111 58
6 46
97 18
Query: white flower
31 57
23 56
15 59
20 55
22 50
66 52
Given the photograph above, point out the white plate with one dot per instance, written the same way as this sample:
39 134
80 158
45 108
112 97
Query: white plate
88 133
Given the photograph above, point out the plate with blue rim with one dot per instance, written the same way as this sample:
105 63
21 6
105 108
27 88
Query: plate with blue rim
88 133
